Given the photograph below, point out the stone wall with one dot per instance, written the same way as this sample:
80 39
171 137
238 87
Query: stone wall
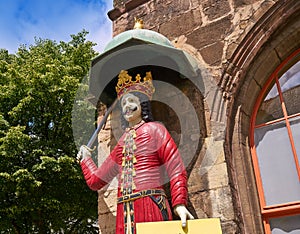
213 27
211 31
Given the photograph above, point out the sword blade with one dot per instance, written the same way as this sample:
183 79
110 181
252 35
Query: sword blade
100 125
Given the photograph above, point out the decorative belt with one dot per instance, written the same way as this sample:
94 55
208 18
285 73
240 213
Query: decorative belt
142 193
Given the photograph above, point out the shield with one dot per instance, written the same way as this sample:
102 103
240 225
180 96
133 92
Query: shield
206 226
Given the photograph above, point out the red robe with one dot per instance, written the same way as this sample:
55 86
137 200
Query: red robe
156 153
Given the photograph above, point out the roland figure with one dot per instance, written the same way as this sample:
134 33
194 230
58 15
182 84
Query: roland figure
139 160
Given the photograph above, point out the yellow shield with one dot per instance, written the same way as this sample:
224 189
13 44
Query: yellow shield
205 226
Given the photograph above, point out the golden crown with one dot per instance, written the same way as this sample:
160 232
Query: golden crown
126 84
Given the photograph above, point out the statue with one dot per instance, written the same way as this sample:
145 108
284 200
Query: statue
144 151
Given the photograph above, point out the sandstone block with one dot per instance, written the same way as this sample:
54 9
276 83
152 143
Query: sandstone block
210 33
215 9
181 24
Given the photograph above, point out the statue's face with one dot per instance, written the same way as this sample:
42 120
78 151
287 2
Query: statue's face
131 108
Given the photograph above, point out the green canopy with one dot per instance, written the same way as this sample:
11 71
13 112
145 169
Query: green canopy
132 49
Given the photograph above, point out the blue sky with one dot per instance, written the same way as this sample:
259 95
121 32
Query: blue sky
23 20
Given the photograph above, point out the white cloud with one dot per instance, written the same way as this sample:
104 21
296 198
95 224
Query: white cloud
101 27
55 20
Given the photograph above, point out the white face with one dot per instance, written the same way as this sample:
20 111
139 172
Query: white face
131 109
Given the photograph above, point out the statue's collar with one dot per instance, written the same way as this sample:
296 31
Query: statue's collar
135 127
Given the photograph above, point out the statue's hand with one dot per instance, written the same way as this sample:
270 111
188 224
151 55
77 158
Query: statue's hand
183 213
84 152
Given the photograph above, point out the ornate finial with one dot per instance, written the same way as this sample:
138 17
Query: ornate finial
126 84
139 23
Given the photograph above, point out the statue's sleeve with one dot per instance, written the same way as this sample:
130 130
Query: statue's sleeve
171 158
97 178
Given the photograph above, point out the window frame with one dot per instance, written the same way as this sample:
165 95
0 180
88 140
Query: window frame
278 210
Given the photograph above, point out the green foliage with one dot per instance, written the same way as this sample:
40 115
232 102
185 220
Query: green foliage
42 187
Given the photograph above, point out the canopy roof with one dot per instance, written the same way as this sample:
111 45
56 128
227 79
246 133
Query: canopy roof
130 51
144 35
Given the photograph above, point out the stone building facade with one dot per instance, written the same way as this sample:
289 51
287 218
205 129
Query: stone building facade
238 44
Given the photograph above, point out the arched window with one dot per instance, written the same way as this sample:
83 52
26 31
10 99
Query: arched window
275 148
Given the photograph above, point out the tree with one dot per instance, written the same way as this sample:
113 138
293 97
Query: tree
42 187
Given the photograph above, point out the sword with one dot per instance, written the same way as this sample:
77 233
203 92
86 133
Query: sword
100 126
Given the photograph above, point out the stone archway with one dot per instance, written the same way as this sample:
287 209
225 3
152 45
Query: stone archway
273 38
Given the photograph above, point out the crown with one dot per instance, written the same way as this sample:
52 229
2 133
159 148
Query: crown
126 84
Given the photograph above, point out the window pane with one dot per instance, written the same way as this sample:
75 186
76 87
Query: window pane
277 165
289 224
295 126
270 108
290 87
